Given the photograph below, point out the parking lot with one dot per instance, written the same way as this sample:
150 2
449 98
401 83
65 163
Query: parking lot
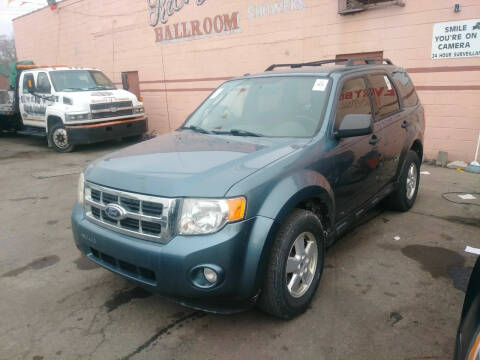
392 288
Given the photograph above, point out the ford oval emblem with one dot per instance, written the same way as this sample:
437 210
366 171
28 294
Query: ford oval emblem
115 211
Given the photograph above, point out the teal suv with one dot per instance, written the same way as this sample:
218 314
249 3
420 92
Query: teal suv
238 205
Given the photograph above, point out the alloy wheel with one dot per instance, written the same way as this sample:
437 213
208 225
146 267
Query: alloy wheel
301 264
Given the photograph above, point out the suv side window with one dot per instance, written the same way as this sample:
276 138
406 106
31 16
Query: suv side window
26 78
405 88
43 84
385 99
353 99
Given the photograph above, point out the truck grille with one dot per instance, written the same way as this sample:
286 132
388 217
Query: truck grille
145 217
110 114
109 105
111 109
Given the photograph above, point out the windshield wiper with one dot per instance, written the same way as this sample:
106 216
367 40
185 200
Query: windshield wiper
102 87
238 132
196 129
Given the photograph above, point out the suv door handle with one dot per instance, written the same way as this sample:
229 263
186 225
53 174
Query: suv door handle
405 124
374 140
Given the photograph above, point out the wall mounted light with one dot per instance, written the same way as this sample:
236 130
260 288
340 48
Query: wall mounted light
456 8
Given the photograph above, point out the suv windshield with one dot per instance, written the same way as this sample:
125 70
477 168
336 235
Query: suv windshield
80 80
279 106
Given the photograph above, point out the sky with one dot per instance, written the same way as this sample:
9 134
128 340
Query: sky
15 9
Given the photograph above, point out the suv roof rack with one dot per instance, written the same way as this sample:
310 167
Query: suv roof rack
349 62
368 61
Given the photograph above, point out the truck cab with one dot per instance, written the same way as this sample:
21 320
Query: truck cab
71 105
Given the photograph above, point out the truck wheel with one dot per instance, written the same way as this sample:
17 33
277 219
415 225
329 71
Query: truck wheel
295 266
59 139
403 198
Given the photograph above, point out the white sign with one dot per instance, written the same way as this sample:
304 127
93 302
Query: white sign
320 85
456 39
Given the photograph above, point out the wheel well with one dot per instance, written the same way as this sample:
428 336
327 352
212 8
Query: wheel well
52 120
319 208
418 148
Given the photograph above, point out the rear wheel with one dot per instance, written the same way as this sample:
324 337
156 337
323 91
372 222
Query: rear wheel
295 266
58 138
403 198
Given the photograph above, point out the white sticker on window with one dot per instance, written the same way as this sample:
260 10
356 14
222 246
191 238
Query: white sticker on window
216 93
389 84
320 85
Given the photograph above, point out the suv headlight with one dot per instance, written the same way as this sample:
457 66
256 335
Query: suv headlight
81 188
206 216
138 110
76 117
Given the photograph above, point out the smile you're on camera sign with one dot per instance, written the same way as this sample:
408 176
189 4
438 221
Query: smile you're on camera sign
456 39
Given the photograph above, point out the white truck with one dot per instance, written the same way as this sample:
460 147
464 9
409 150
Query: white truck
70 106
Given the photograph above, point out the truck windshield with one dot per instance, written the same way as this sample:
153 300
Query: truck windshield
277 106
80 80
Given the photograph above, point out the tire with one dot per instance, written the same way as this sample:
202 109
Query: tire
300 227
403 198
57 136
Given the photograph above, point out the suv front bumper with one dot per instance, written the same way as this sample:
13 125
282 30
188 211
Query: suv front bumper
166 268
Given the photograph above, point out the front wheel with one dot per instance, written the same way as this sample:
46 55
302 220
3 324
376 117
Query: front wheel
403 198
58 138
295 266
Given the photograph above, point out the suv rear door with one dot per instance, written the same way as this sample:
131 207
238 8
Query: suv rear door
356 160
389 122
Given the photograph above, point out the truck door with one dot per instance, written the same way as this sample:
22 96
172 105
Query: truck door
33 105
356 160
388 119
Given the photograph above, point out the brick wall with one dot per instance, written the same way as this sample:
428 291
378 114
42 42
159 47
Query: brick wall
114 35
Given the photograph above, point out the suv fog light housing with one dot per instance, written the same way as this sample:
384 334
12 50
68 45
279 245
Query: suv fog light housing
210 275
207 216
139 110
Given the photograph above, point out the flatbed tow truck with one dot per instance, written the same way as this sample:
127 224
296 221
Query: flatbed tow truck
69 106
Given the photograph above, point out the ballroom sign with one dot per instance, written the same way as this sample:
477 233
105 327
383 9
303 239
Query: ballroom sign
160 10
194 29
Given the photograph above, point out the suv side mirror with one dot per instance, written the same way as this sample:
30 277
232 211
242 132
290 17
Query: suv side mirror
355 125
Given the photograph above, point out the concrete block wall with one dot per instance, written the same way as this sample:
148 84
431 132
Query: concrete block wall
175 77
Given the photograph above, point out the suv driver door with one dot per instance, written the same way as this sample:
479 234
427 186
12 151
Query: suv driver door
357 160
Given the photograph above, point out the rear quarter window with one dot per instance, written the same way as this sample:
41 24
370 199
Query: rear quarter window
405 88
385 99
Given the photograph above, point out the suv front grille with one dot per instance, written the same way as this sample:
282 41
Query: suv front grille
146 217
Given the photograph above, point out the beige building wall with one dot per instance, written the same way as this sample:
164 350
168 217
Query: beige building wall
175 76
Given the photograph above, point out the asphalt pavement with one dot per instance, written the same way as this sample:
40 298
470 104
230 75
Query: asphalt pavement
392 288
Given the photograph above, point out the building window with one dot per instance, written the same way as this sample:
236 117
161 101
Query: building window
346 7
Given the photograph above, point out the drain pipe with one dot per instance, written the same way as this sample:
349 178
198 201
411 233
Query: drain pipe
474 166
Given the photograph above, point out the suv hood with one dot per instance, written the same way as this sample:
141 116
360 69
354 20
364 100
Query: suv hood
181 164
